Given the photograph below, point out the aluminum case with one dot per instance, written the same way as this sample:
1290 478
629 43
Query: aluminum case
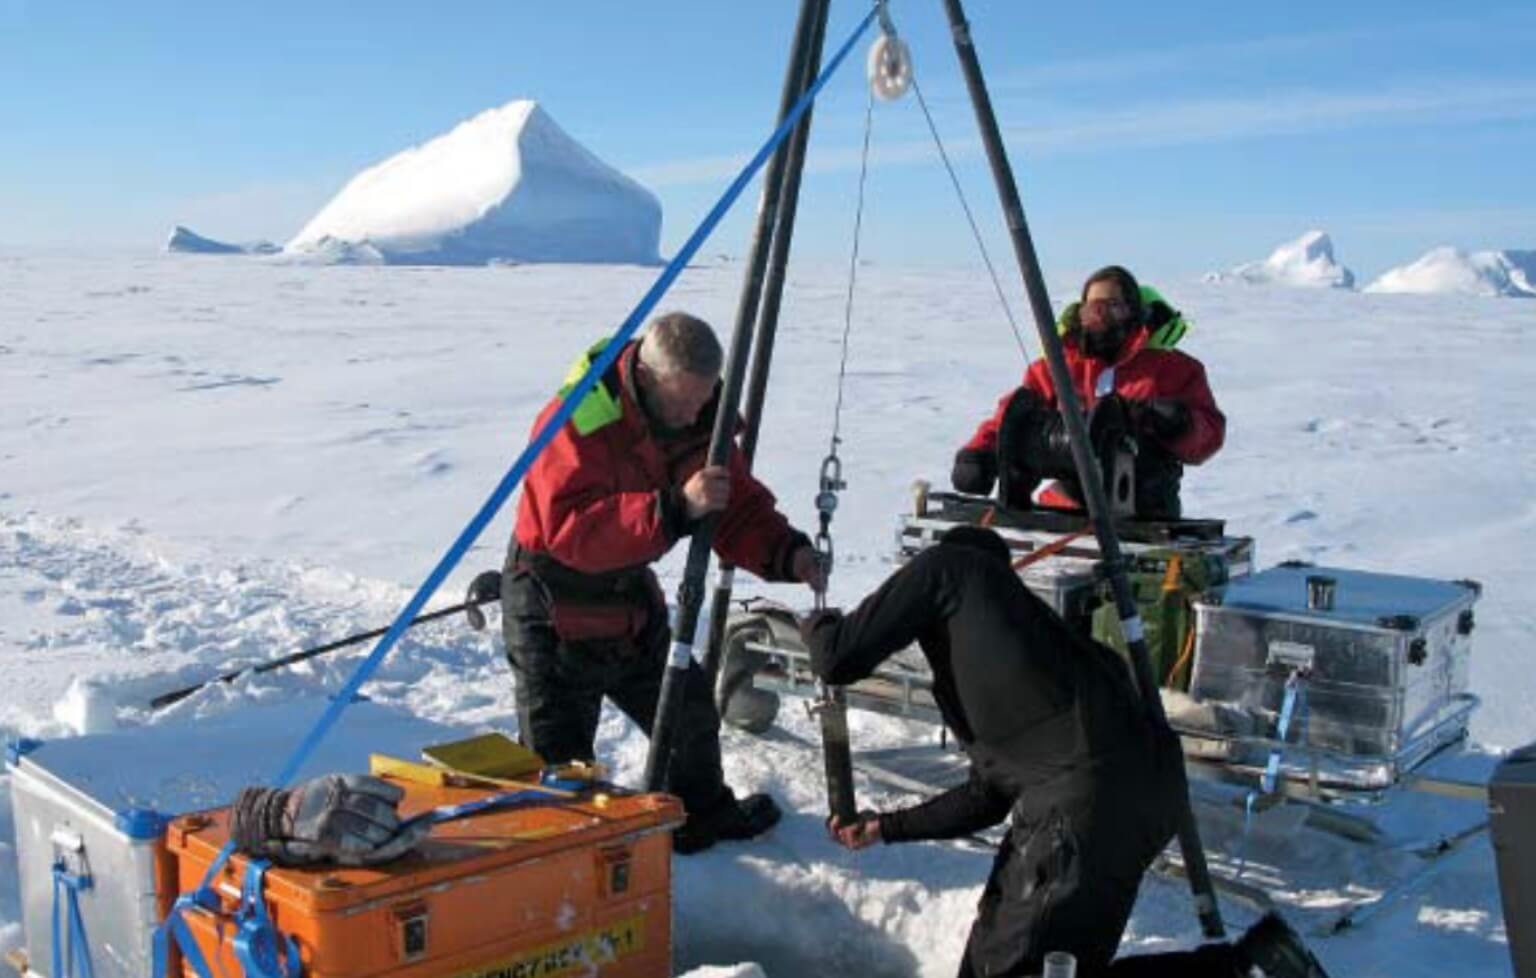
1384 669
1070 586
129 881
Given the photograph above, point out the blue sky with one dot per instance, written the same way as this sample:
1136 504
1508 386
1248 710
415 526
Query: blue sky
1171 137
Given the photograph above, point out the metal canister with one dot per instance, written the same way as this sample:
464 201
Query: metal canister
1321 591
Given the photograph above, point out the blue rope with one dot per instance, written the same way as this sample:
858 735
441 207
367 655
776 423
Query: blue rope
72 956
448 813
519 468
1294 703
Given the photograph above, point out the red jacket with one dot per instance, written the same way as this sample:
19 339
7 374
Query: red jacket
610 499
1140 373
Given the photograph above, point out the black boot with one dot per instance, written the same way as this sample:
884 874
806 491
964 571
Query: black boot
745 819
1272 949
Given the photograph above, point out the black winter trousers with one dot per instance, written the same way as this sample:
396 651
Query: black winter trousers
561 685
1069 868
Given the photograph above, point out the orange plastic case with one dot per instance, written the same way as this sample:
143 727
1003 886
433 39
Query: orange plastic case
558 887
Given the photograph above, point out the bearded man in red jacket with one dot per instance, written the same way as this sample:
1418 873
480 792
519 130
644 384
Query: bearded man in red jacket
582 612
1119 346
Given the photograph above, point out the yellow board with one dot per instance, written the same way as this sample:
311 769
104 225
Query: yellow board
384 766
491 755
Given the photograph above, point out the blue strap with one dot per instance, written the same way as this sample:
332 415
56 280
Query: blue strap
71 956
573 398
263 952
1294 691
174 929
1293 703
447 813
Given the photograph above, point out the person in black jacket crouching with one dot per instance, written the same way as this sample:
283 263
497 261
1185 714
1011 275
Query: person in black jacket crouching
1058 741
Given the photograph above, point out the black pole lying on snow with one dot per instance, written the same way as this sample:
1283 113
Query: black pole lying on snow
1082 450
177 695
691 592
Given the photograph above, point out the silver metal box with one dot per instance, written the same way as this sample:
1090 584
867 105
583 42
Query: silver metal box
1069 586
1383 664
119 874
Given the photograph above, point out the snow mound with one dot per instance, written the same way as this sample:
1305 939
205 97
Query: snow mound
327 250
86 708
508 185
1307 262
184 240
731 971
1451 271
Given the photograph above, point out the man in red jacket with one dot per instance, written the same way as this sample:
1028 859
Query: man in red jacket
583 614
1119 345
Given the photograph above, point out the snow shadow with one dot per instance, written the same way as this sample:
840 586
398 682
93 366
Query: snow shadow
779 923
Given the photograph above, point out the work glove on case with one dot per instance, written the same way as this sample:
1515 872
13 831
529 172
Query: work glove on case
349 819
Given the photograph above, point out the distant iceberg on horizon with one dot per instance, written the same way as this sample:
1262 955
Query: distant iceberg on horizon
183 240
1451 271
1307 262
508 185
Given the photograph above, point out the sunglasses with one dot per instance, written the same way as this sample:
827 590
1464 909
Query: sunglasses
1100 312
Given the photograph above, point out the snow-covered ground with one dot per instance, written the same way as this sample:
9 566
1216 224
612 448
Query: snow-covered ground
212 461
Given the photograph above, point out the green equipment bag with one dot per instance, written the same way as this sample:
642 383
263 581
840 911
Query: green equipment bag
1165 584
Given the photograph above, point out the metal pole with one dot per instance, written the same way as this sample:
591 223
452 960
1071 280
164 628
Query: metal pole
1082 452
690 592
767 329
177 695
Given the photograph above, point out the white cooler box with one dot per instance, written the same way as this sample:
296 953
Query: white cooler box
1383 662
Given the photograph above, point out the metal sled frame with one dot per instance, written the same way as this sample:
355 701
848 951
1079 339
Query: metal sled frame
901 690
1339 792
1339 807
935 512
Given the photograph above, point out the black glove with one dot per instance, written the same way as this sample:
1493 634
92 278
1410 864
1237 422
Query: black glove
1161 417
344 818
810 625
811 621
974 471
485 587
1045 444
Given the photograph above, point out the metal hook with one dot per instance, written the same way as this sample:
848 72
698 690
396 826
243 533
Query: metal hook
832 475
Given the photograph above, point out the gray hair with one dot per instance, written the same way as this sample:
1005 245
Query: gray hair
680 343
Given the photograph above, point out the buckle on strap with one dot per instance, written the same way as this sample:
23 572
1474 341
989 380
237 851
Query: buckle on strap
263 951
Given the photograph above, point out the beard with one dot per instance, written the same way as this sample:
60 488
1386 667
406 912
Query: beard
1105 342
